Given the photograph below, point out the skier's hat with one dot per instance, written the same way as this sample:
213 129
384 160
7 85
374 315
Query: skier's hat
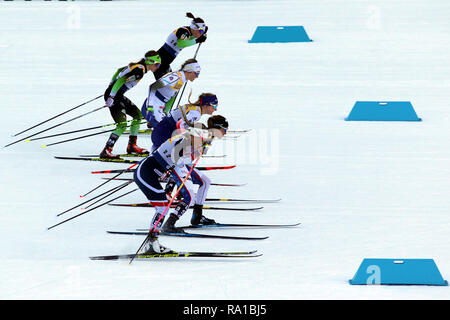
152 57
192 67
209 100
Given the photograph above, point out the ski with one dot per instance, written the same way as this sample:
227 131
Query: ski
213 184
142 155
239 131
229 184
188 235
122 155
174 254
145 131
119 160
233 209
113 171
129 161
216 168
225 200
242 200
146 204
237 225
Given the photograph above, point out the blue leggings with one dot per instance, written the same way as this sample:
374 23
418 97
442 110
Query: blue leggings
163 131
147 176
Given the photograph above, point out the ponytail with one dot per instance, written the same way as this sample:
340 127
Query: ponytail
195 19
142 61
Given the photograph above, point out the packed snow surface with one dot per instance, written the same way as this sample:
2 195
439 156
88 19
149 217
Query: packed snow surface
359 189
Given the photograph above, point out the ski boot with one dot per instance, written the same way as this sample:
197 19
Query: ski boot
152 245
169 225
133 148
107 150
199 218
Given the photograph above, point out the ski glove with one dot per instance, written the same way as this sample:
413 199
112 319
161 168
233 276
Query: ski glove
201 39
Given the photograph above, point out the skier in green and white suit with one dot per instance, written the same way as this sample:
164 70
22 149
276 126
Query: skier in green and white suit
179 39
120 106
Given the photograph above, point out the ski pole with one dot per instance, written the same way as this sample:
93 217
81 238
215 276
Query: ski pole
77 138
198 168
112 171
36 125
212 183
176 193
184 86
103 197
167 208
57 125
129 168
100 205
75 131
79 205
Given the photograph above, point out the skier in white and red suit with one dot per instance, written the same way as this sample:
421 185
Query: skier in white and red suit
172 157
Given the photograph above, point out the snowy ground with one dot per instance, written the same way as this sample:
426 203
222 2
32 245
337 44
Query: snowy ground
361 190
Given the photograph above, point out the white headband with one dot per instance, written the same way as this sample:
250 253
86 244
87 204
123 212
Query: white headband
192 67
198 26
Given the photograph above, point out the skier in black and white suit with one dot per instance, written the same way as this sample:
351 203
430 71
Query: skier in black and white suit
172 156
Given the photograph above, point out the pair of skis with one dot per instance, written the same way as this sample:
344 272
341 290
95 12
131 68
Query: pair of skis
120 160
175 203
208 200
237 131
141 155
217 225
144 232
188 235
174 254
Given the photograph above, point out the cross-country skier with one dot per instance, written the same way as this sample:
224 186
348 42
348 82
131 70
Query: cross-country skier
170 157
197 177
178 40
161 92
184 117
120 106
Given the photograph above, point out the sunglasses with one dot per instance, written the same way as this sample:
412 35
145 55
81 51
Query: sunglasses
199 29
223 128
